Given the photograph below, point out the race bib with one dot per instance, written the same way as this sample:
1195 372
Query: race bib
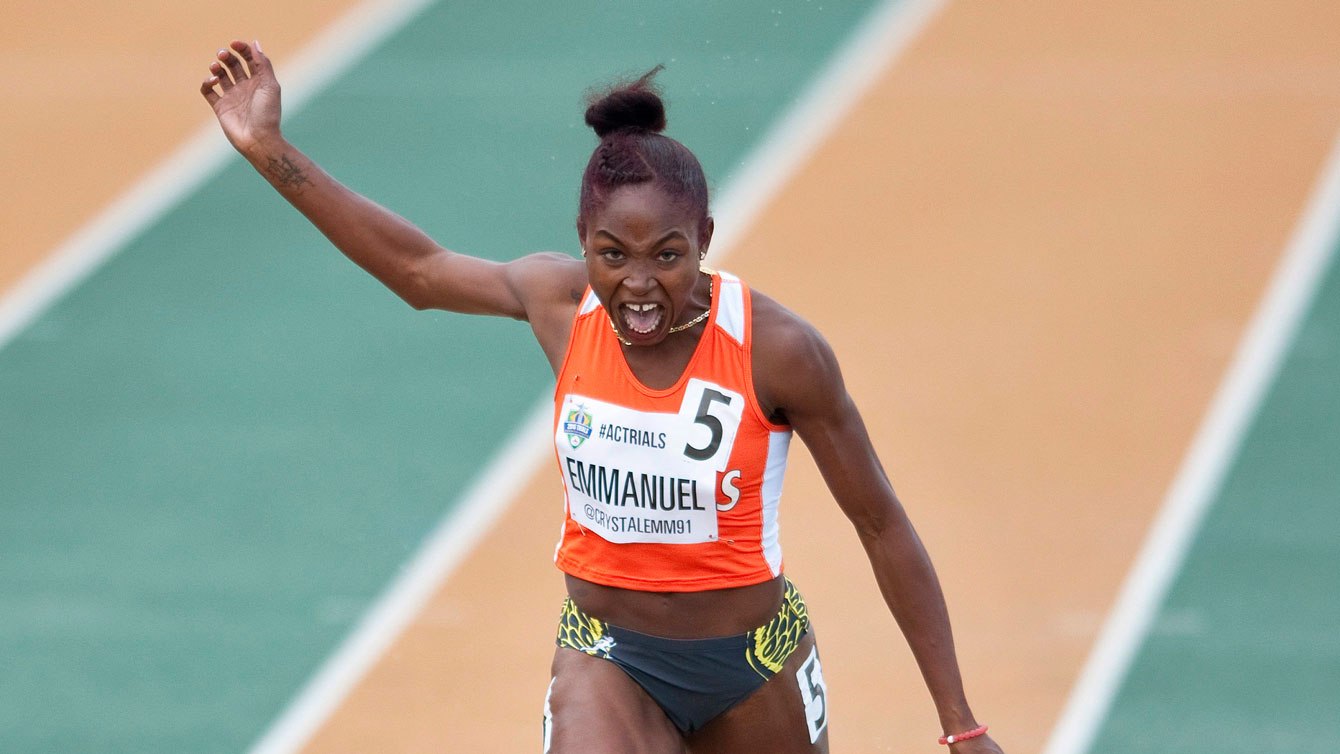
642 476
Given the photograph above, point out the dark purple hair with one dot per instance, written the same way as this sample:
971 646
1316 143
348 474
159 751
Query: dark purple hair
628 118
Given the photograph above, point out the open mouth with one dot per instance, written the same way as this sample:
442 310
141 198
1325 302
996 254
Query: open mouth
642 319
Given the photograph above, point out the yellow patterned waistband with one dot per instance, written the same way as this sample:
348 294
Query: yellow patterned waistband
767 647
774 641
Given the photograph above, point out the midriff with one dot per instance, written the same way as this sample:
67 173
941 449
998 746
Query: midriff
680 615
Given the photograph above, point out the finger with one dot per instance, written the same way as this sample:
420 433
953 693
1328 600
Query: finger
207 89
243 50
234 65
251 54
221 75
220 68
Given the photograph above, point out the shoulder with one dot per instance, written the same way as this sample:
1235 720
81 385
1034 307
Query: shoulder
783 338
551 272
792 361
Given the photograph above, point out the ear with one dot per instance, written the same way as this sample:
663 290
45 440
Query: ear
705 236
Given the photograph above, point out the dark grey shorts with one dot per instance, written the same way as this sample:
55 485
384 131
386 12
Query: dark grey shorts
693 680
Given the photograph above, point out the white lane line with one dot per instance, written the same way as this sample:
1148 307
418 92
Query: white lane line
1254 368
879 39
339 47
450 542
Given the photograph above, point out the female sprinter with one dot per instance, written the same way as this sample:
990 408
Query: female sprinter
678 390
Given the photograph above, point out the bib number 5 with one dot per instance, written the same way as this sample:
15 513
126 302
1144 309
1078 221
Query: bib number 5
712 423
814 694
715 417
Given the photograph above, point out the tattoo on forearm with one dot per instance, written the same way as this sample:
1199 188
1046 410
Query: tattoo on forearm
287 174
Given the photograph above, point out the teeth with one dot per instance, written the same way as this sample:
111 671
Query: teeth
642 318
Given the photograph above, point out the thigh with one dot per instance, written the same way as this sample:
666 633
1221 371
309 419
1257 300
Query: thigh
787 715
594 707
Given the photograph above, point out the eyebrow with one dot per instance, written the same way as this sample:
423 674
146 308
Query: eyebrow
672 234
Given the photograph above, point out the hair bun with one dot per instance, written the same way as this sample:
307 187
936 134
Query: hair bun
632 105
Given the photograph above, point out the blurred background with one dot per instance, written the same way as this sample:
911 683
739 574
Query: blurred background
1074 259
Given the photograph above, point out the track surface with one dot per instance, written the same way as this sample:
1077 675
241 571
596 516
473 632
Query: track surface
1035 253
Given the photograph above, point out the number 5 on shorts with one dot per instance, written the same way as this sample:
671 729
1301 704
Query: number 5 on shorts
814 694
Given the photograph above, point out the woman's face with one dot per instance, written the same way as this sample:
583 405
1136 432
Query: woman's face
642 252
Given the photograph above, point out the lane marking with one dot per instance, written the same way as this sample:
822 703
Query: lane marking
452 539
196 162
877 42
1255 365
879 39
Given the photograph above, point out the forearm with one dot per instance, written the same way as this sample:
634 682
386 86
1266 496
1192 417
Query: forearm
386 245
806 384
911 589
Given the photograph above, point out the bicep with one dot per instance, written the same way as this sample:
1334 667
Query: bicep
824 415
841 447
519 289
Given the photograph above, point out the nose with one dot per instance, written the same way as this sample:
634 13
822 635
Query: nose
640 280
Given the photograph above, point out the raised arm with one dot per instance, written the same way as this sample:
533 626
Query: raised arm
798 377
245 95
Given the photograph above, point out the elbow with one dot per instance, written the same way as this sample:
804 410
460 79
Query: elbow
871 525
880 520
413 288
417 303
415 298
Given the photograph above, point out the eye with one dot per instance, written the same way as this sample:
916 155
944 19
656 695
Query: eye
668 255
612 255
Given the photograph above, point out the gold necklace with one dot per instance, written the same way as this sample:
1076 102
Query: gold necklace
676 328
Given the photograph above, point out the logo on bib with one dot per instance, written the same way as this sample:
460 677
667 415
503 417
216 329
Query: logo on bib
577 426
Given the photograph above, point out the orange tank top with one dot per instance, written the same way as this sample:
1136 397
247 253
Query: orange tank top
671 490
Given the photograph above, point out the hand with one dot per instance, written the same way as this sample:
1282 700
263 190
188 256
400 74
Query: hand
248 109
979 745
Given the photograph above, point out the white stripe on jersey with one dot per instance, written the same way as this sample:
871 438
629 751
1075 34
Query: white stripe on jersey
771 494
730 308
589 303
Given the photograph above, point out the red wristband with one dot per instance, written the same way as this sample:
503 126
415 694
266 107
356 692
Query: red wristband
954 738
